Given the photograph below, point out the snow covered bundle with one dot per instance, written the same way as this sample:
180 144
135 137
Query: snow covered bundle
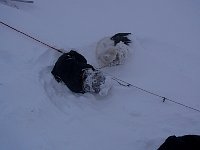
96 82
112 51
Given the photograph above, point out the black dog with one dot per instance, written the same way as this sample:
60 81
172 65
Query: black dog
69 69
186 142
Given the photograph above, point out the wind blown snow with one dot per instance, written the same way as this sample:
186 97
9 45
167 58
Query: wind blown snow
37 113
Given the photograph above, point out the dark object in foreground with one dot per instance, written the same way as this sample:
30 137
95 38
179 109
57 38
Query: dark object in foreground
80 77
186 142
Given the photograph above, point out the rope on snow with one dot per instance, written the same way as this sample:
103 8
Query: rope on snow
31 37
119 81
126 84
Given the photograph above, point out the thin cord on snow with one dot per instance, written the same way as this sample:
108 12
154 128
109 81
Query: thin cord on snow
119 81
105 66
31 37
126 84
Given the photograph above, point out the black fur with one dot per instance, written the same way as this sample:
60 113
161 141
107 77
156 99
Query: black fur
187 142
121 37
69 69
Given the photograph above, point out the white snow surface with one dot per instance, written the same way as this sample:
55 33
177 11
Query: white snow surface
37 113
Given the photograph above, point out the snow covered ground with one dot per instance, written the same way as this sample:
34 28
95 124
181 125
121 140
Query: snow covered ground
37 113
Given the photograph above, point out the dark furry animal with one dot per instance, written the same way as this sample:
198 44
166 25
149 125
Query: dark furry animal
69 69
121 37
186 142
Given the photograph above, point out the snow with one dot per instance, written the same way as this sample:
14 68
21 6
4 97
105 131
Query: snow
38 113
